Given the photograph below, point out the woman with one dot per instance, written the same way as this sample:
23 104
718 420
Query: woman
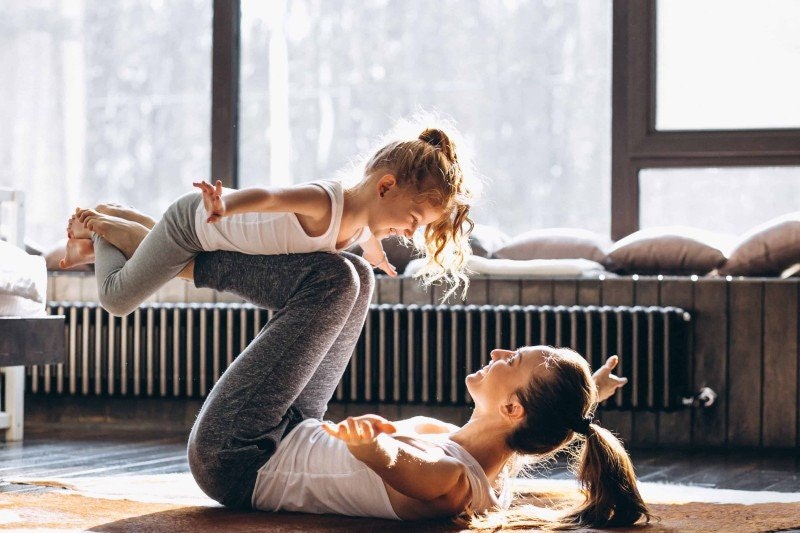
259 442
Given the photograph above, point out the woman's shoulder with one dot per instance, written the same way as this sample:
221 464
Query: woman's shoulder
424 425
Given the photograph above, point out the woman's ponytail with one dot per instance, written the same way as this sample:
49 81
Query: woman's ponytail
559 404
606 474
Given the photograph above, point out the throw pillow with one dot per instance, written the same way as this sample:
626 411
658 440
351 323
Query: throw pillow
767 249
675 250
556 243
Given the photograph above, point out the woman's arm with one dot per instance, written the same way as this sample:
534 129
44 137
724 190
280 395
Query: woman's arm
608 383
307 200
426 476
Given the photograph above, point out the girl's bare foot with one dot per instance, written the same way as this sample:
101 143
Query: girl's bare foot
123 234
78 252
127 213
76 229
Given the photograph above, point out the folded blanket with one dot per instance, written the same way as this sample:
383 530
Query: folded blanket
536 268
22 277
532 268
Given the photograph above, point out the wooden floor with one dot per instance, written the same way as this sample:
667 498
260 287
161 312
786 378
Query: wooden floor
68 449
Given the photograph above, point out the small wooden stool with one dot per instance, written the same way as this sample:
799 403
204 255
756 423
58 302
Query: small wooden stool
25 341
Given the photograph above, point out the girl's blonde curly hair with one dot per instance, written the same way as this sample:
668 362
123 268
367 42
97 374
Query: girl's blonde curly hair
430 164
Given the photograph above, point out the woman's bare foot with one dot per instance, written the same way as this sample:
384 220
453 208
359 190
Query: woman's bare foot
76 229
127 213
126 235
78 252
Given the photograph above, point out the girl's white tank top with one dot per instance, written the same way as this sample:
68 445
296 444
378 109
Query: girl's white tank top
273 233
312 472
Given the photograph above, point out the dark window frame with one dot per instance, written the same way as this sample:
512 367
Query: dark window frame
637 145
226 43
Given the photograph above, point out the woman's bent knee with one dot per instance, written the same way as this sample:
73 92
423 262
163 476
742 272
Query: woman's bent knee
364 272
338 274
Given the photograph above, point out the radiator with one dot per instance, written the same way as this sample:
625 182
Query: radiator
406 353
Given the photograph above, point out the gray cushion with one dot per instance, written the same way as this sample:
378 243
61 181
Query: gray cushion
767 249
556 243
484 240
673 250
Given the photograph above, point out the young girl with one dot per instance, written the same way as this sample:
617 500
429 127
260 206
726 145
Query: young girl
406 185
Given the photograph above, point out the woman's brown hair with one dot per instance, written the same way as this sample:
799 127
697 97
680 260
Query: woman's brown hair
559 405
430 164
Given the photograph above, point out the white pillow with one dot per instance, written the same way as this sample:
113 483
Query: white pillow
532 268
536 268
414 266
22 275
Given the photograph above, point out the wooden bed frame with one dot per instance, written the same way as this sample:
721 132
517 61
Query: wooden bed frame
23 341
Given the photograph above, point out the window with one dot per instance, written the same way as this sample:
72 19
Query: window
724 64
108 101
527 82
729 200
700 128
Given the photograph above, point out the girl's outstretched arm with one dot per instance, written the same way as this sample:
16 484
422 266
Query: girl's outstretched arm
415 473
306 200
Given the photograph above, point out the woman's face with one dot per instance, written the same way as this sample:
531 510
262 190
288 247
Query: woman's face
507 372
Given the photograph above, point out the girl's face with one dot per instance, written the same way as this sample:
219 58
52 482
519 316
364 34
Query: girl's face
507 372
400 211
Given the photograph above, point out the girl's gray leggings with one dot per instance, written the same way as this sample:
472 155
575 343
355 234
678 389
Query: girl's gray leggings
123 284
288 373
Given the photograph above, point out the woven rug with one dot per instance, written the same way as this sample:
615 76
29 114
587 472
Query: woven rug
174 503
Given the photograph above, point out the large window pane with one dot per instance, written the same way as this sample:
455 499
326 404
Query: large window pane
527 81
731 200
727 64
103 100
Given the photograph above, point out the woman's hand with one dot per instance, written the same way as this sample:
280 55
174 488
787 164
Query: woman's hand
359 430
419 474
212 200
608 383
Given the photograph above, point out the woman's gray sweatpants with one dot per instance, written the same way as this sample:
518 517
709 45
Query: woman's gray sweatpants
290 370
123 284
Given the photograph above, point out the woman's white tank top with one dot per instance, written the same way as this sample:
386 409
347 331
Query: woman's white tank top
312 472
273 233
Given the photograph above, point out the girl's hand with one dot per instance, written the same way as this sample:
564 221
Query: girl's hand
387 267
359 430
383 264
212 200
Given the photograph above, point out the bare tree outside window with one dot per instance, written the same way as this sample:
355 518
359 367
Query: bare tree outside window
111 100
527 82
107 101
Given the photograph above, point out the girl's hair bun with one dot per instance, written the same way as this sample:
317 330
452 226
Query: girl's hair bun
439 139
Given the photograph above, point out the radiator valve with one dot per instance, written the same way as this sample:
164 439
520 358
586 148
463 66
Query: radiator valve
705 398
